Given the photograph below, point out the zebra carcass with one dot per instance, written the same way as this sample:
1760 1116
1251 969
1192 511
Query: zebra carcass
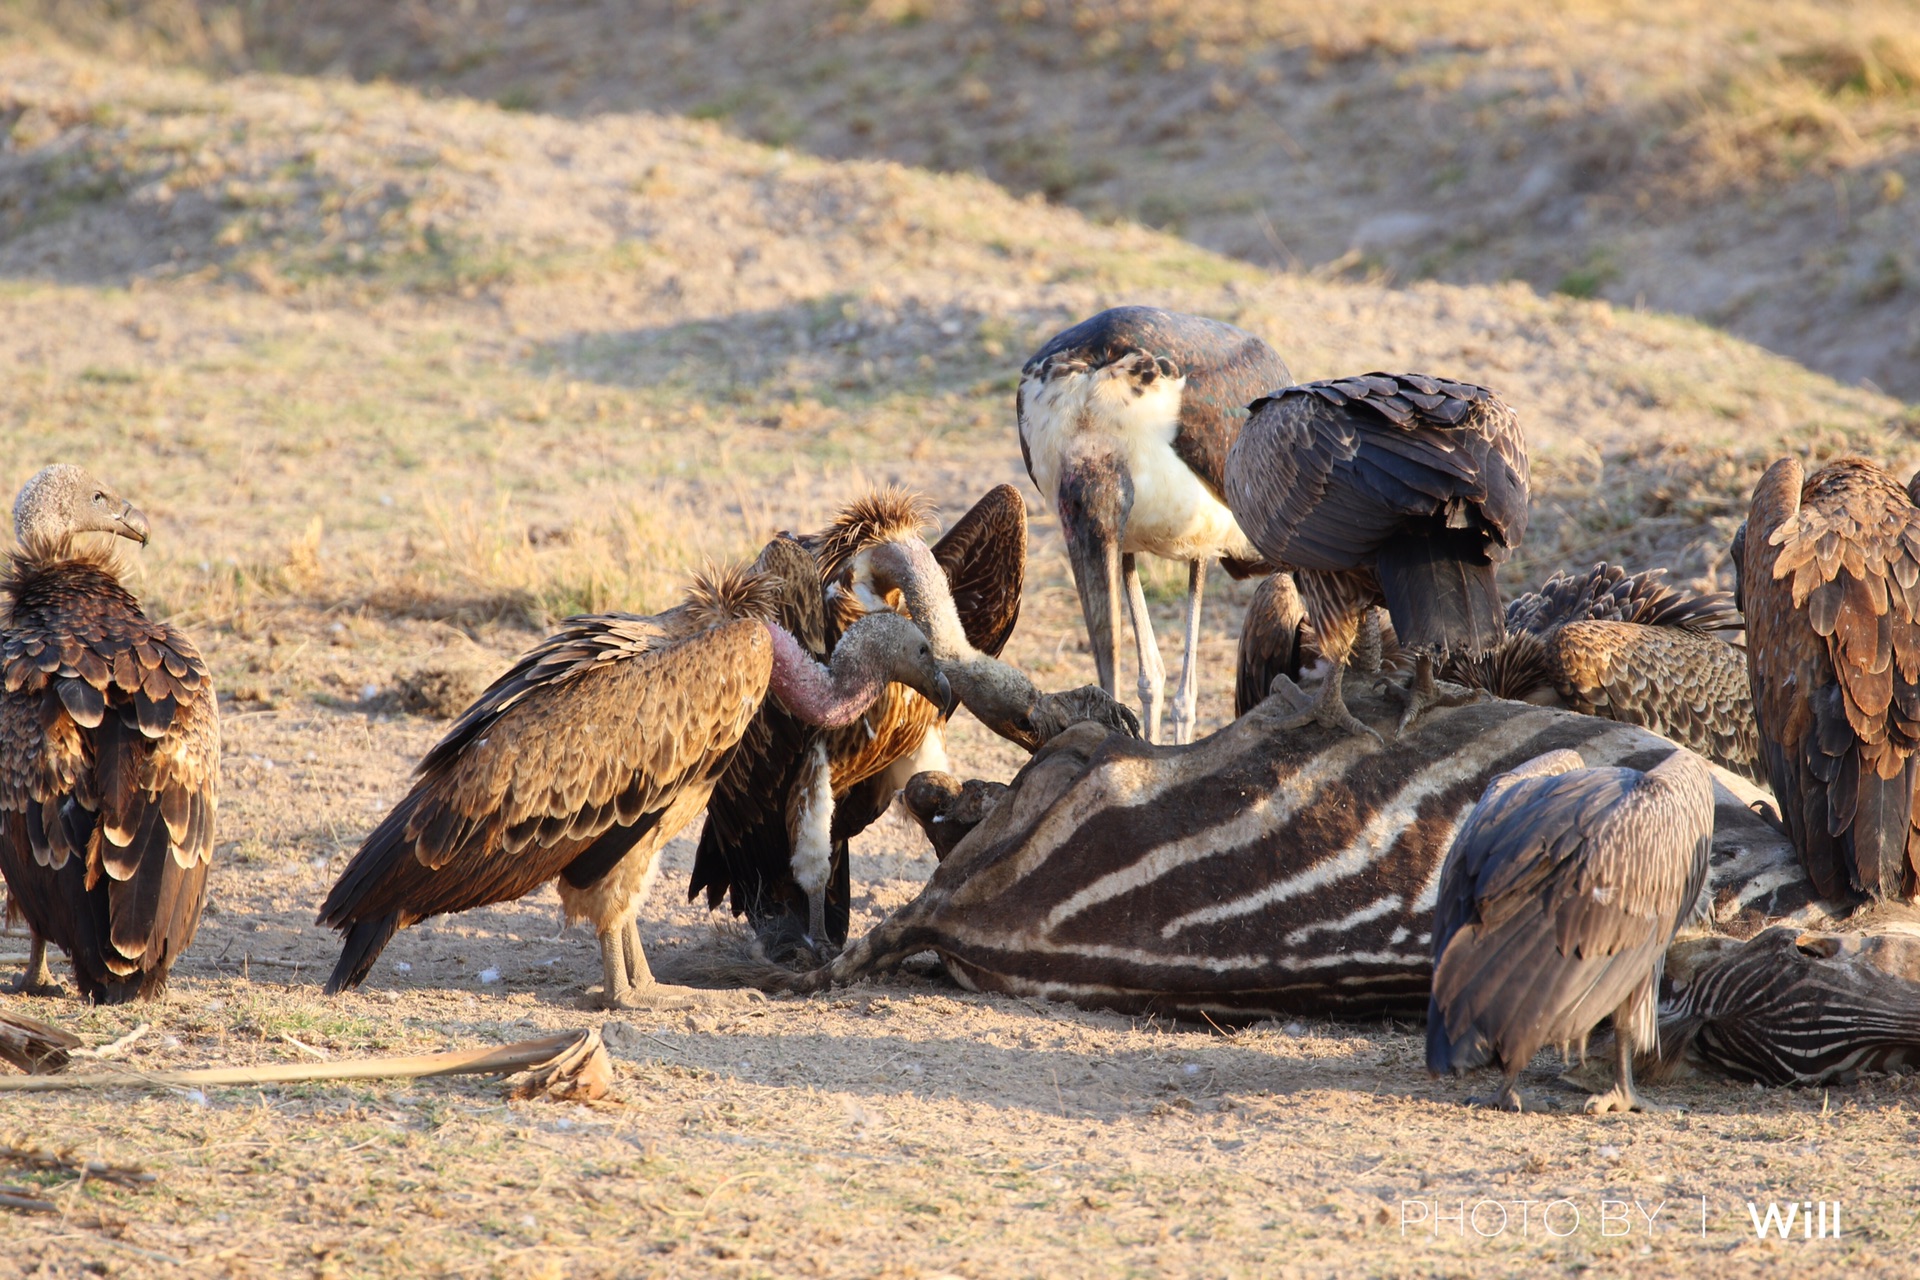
1258 873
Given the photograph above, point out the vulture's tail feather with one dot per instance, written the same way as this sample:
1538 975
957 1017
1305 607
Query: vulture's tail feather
1440 590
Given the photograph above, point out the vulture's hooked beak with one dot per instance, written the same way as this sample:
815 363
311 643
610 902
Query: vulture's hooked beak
948 698
132 522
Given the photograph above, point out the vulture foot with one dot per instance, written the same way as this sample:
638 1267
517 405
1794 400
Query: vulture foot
38 980
1423 694
1508 1099
1620 1098
1328 707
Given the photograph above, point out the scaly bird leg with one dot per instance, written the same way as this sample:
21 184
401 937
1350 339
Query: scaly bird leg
1153 673
630 983
38 979
1328 708
1423 694
1508 1099
1622 1096
1186 696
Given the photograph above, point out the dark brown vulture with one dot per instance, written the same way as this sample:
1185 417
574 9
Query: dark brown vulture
1394 489
1631 648
1829 579
1557 903
596 748
109 751
781 818
1125 421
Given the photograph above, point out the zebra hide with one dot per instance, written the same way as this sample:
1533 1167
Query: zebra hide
1257 873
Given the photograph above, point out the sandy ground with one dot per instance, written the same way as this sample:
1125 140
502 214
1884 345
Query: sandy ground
399 381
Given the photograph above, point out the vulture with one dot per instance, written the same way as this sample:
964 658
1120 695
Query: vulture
109 751
581 761
1387 489
794 795
1629 647
1828 575
1125 423
1557 902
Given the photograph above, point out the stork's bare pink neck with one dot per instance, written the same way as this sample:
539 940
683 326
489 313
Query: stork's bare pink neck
830 699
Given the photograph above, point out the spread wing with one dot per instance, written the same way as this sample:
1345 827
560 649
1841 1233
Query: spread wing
1556 902
1271 641
1690 687
564 763
1830 576
1326 472
985 559
109 765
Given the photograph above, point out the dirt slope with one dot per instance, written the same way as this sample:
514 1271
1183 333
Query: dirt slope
1746 162
400 379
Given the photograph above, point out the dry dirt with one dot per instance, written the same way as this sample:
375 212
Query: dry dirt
1748 162
399 380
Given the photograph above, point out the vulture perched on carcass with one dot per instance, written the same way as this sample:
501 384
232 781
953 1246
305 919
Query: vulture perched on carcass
1125 422
1829 579
599 746
1557 902
1387 489
109 751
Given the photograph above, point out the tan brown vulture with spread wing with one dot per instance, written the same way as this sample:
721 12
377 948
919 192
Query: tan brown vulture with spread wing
781 818
1629 647
109 751
597 747
1394 489
1557 903
1829 579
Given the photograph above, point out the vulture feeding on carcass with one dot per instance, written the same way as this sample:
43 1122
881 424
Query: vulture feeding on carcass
1394 489
1829 579
1629 647
109 751
1557 902
1125 422
597 747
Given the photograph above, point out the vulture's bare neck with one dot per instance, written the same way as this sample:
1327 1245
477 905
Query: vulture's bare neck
828 697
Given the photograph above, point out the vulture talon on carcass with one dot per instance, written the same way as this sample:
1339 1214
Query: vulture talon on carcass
1828 574
596 748
1557 902
776 843
1125 421
1400 490
109 752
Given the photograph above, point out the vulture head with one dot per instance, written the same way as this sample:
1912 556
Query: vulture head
63 500
885 644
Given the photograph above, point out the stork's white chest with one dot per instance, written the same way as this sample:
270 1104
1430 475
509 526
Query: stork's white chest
1105 411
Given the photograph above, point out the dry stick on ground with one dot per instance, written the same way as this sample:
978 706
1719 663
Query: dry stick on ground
503 1058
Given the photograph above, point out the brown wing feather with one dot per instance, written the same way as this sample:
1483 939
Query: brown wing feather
1270 641
1690 687
985 559
110 733
603 726
1830 576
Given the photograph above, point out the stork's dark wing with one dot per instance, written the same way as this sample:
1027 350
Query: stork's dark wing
109 765
1324 473
1690 687
1271 641
1557 898
1831 580
985 559
1608 593
610 728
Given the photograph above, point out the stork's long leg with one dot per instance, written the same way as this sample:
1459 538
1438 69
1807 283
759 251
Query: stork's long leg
1186 696
38 979
1153 673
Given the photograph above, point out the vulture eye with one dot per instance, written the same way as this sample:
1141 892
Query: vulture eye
100 499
